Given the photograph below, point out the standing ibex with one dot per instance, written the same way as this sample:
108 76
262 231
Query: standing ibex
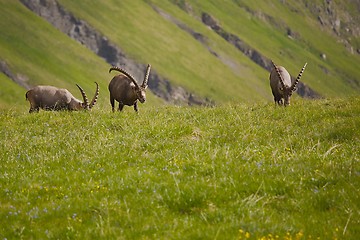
53 98
281 86
125 89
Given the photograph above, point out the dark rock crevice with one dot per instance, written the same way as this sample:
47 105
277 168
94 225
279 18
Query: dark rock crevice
17 78
82 32
203 40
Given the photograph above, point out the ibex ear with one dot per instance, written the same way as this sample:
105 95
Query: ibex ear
84 106
133 86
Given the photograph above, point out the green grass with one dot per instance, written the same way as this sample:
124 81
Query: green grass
10 93
234 171
228 172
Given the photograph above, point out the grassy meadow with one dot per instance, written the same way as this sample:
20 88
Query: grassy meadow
235 171
243 169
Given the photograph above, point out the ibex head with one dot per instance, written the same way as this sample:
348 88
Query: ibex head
126 90
85 104
281 85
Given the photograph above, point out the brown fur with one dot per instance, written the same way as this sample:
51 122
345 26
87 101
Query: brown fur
124 89
53 98
281 86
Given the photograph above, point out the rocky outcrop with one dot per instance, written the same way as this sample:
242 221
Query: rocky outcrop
335 17
18 78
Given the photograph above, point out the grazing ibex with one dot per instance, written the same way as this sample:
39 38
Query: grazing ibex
53 98
125 89
281 86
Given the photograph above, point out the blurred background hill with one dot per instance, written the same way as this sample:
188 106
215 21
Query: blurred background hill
201 52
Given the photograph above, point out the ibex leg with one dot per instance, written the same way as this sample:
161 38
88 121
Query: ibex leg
121 106
112 102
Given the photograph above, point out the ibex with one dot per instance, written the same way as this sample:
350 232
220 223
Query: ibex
53 98
125 89
281 86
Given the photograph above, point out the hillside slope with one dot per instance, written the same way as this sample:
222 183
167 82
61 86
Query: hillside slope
250 22
183 50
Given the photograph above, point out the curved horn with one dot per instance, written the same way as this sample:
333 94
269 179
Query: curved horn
146 78
95 98
86 102
126 74
279 75
293 86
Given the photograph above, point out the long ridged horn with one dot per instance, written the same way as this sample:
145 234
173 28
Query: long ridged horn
95 98
293 86
126 74
86 102
146 78
279 75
